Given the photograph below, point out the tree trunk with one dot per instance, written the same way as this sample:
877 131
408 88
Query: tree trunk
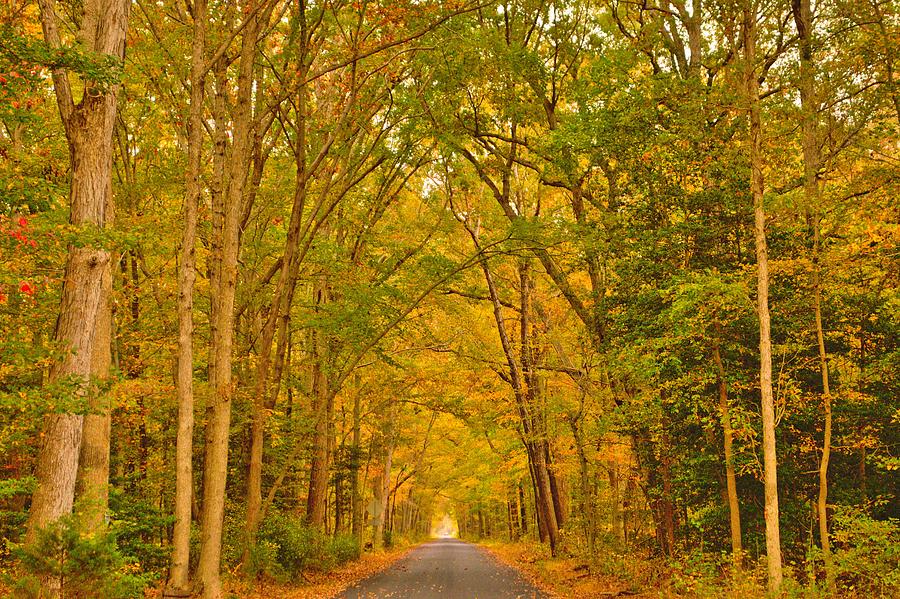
523 511
770 459
93 466
385 485
811 164
355 483
89 131
219 409
323 405
586 499
734 513
179 575
556 493
538 509
551 508
545 500
278 316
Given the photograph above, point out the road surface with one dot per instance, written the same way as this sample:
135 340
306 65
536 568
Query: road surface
445 569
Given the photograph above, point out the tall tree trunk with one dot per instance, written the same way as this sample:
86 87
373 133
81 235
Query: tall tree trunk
89 131
586 499
323 404
548 493
803 20
356 503
770 458
547 515
523 511
822 501
523 383
535 493
556 491
734 512
93 465
268 377
384 487
179 574
219 409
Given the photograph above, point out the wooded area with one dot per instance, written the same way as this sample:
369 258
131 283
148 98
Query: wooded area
282 281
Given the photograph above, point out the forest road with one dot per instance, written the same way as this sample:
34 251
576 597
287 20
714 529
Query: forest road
445 569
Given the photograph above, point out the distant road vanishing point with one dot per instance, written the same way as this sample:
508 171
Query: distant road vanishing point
445 568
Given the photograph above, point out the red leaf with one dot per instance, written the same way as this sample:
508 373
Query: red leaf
26 287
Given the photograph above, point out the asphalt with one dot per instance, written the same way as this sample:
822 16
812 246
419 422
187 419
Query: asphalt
445 568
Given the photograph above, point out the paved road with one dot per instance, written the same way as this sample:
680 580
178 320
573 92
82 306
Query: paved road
445 569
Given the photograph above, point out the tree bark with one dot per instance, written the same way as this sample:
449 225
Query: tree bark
384 487
803 20
179 575
734 512
356 503
556 491
318 474
219 408
770 459
533 410
93 465
268 376
586 499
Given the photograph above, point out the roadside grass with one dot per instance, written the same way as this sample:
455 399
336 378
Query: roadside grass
608 575
560 577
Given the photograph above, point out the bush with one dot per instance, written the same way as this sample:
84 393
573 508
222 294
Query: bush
138 523
263 561
866 553
83 566
286 546
343 549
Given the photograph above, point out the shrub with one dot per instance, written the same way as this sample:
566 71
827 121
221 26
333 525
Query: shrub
866 553
263 561
343 549
83 566
286 546
138 523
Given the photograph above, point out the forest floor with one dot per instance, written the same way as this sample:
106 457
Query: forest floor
322 585
561 577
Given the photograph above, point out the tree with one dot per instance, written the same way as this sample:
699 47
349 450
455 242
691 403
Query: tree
179 574
89 128
770 458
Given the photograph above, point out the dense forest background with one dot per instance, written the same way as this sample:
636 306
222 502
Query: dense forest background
285 280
